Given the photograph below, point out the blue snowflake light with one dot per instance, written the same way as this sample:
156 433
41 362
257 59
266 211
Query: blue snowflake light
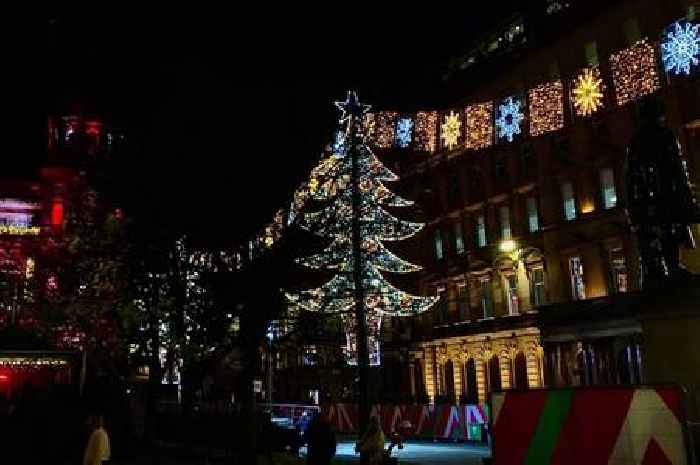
680 47
404 132
509 119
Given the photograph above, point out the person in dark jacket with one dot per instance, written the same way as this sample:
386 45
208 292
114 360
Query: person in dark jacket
321 442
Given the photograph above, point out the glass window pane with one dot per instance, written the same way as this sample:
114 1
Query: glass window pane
459 238
533 222
504 215
481 231
438 245
607 186
578 287
567 193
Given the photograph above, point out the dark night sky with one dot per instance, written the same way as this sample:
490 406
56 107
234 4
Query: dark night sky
230 109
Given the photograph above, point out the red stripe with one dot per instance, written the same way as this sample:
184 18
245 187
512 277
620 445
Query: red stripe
591 429
516 425
672 399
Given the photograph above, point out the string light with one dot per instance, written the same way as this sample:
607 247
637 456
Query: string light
634 72
386 121
510 117
450 130
425 131
479 122
587 92
369 124
546 108
13 230
377 225
680 47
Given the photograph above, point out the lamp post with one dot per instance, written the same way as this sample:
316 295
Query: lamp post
270 336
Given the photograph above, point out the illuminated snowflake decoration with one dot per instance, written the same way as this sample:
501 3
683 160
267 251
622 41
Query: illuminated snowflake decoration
680 47
509 119
587 93
450 130
404 132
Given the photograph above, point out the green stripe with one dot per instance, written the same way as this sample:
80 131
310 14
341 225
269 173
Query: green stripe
544 440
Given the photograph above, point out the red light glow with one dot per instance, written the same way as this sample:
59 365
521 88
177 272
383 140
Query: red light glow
57 213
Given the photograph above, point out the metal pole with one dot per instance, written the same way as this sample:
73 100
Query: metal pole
269 375
360 311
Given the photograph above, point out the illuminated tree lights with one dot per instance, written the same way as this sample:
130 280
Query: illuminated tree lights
680 47
546 108
425 131
509 118
479 124
450 130
404 132
587 91
634 72
384 132
377 225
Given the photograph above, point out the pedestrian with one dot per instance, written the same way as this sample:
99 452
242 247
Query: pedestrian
97 451
371 444
321 442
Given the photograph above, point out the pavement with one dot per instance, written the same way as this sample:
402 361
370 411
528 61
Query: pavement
428 453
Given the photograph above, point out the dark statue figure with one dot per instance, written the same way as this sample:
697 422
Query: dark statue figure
660 202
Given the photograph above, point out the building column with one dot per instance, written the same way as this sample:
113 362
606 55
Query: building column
412 375
430 374
481 374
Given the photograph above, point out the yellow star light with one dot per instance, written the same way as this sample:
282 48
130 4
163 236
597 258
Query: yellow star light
588 92
450 130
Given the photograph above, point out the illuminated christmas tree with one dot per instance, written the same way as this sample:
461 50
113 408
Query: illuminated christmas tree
330 183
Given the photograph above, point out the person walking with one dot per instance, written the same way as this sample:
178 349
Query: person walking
371 444
97 451
321 442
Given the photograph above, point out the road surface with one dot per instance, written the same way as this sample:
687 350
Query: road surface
427 453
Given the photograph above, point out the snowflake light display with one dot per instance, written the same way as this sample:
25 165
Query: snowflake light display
546 108
634 72
479 124
404 132
680 47
509 119
384 132
450 130
377 226
425 131
339 142
587 92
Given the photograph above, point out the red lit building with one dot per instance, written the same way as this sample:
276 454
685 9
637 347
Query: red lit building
32 216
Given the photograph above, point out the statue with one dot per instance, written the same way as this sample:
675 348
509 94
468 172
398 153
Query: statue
660 202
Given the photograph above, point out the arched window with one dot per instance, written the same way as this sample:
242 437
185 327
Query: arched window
494 368
471 391
520 371
449 380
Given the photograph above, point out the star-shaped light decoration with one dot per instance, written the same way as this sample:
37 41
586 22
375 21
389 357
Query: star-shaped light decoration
450 130
509 118
588 92
352 107
680 47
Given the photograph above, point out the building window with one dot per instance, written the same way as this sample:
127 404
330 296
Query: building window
567 193
310 356
481 231
578 288
459 238
442 306
538 290
632 32
618 269
463 299
607 187
592 53
512 294
533 218
486 297
499 168
504 217
439 252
